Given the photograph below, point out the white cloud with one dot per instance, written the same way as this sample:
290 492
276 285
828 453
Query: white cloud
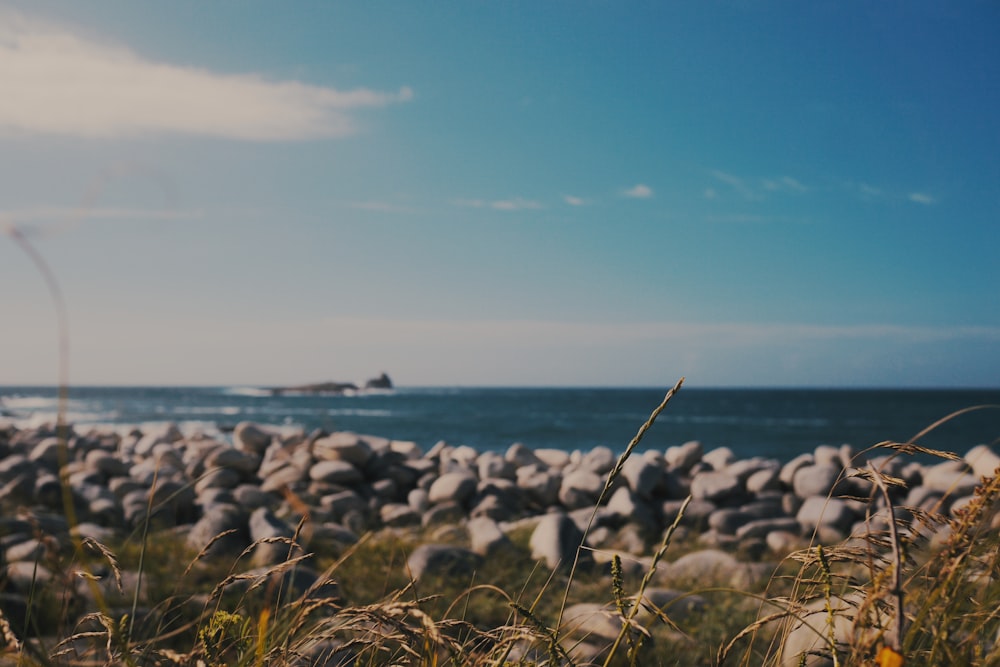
710 193
55 82
515 204
736 183
921 198
574 201
639 191
784 184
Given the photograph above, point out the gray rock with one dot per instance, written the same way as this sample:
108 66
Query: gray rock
553 458
719 458
807 641
106 463
251 496
441 560
288 476
521 456
599 460
211 526
727 520
555 540
398 515
953 478
695 516
335 471
453 486
594 621
165 435
333 536
486 538
343 446
816 480
716 486
48 491
788 470
827 455
764 527
218 478
823 511
708 567
745 468
419 500
385 489
924 498
684 457
264 525
492 465
26 576
30 550
624 506
448 512
644 474
678 606
784 542
768 479
342 502
983 460
250 438
493 507
406 449
46 453
234 459
457 459
540 486
580 488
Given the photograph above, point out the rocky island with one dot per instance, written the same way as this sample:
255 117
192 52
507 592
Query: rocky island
380 383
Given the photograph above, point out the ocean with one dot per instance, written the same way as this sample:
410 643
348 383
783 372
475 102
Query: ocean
776 423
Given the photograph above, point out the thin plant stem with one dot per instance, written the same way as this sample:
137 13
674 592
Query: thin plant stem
607 486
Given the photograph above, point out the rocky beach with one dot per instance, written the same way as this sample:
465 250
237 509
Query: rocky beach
328 490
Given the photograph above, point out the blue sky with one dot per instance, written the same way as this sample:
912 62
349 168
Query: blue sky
503 193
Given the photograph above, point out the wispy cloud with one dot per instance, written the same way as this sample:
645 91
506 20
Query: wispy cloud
736 183
639 191
757 190
574 201
921 198
55 82
784 184
514 204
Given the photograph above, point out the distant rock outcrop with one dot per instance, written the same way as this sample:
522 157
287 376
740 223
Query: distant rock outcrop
382 382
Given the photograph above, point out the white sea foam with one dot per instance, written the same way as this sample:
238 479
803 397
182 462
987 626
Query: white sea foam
28 402
358 412
255 392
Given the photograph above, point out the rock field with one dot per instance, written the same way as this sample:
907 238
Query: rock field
462 502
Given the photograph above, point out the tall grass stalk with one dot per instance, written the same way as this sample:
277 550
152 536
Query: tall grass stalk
612 476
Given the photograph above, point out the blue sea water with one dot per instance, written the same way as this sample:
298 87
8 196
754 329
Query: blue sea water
778 423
